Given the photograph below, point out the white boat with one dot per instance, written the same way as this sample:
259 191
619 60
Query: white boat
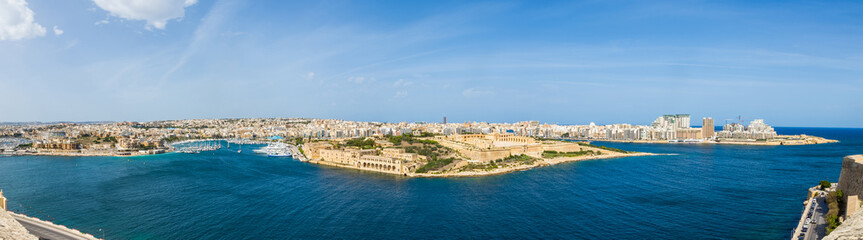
275 150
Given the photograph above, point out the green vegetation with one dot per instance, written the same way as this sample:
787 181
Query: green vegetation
29 145
435 164
426 134
486 167
410 139
431 150
298 141
556 154
825 184
520 159
360 143
172 139
603 147
834 201
107 139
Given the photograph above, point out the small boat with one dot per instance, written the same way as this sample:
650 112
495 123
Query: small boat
239 151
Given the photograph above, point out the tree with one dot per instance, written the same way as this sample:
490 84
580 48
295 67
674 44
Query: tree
825 184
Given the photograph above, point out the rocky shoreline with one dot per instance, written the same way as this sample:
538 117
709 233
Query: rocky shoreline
539 163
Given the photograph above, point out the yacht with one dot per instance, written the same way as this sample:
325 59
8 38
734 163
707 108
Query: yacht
275 150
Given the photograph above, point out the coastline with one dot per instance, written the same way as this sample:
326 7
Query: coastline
71 154
803 140
540 163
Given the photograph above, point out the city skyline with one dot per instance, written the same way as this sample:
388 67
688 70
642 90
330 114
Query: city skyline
794 64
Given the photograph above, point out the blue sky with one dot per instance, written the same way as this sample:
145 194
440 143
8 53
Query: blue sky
792 63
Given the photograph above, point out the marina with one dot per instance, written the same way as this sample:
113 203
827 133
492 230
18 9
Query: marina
272 149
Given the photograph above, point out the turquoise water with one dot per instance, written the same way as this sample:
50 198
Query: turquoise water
702 192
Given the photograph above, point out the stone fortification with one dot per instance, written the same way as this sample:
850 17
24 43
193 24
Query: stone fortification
10 229
851 177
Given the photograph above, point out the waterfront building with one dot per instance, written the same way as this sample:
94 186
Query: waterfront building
757 129
672 121
707 128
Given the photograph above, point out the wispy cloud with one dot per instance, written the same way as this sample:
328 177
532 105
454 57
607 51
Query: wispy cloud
309 76
220 11
402 83
400 94
57 31
473 92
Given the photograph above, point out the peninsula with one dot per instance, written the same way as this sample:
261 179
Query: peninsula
457 155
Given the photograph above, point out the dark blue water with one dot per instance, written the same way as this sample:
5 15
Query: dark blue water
703 192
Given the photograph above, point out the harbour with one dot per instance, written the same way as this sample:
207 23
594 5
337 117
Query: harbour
647 194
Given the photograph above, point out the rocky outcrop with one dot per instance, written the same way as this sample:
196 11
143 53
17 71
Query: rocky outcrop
852 228
851 177
10 229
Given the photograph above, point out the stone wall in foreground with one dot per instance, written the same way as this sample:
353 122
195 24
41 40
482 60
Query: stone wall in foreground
10 229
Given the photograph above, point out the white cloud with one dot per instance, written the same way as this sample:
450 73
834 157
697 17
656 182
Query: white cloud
16 21
57 31
105 21
402 83
155 12
471 92
310 76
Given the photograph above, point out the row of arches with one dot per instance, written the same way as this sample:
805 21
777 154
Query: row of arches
377 166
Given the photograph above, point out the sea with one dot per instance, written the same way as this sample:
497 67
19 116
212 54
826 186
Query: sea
697 191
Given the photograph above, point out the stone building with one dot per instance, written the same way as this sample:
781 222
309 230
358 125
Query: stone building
62 145
312 150
348 156
385 164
